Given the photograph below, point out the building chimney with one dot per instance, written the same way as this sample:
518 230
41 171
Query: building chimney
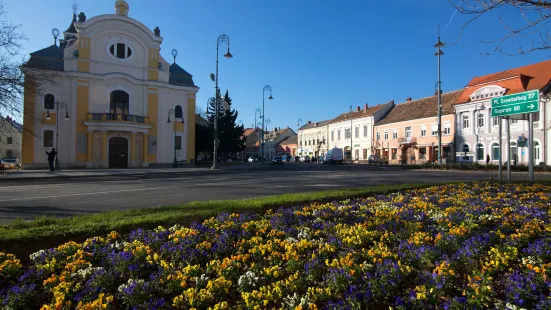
358 109
366 106
408 99
309 122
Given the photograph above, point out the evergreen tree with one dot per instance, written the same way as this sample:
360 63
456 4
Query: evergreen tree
229 134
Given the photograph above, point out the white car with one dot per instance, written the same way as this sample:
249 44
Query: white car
305 159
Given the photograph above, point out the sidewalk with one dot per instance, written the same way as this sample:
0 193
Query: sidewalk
13 174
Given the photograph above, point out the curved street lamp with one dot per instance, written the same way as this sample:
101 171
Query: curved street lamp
48 117
351 158
172 111
264 90
224 38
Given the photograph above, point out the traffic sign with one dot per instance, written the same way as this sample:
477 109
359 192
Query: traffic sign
526 102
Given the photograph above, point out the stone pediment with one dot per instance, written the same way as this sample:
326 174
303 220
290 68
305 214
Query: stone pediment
488 92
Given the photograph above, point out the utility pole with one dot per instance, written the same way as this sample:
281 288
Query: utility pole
439 53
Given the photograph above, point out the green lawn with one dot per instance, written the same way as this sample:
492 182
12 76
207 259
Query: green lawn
24 237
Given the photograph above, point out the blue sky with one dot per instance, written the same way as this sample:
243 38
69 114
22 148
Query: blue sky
319 56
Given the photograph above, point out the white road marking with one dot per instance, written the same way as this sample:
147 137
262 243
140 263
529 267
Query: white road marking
92 193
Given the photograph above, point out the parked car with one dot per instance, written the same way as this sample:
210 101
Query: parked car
321 159
305 159
314 159
277 160
295 159
253 159
377 160
334 156
9 163
286 158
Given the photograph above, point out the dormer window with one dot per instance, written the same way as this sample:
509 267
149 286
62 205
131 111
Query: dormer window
120 50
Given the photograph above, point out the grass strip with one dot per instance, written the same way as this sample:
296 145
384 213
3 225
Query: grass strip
24 237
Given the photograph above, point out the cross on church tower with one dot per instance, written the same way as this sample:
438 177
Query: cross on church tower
75 7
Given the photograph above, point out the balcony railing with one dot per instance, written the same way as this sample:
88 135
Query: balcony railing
116 117
406 140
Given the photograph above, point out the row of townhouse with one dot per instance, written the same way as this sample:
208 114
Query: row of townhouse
279 141
408 132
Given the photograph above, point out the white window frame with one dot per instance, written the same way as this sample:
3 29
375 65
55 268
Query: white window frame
423 130
127 43
447 129
434 130
365 130
408 132
495 121
395 134
465 121
378 136
480 120
386 135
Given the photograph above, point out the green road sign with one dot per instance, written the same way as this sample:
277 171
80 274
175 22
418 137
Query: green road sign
520 103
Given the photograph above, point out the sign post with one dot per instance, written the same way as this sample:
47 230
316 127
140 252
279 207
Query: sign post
500 163
531 148
521 103
508 149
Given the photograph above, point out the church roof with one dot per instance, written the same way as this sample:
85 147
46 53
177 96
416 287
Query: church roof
47 58
71 28
179 76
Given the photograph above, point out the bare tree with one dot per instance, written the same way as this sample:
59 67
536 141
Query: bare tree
533 14
15 75
11 76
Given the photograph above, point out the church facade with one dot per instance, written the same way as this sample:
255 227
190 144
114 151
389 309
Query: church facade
113 100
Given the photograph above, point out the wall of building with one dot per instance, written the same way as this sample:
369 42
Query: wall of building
422 148
361 143
92 74
307 140
487 135
8 132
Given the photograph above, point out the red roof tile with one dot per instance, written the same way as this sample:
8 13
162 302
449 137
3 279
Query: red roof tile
531 77
421 108
357 114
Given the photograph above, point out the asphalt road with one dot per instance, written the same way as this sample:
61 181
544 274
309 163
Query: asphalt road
29 199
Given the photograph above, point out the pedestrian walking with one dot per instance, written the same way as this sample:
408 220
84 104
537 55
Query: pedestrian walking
515 159
51 158
487 159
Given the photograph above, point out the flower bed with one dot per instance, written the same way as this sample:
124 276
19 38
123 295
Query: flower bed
446 247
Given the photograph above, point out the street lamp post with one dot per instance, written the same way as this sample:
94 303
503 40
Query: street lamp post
259 139
175 164
57 105
221 39
266 88
240 124
439 53
350 133
299 123
259 112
